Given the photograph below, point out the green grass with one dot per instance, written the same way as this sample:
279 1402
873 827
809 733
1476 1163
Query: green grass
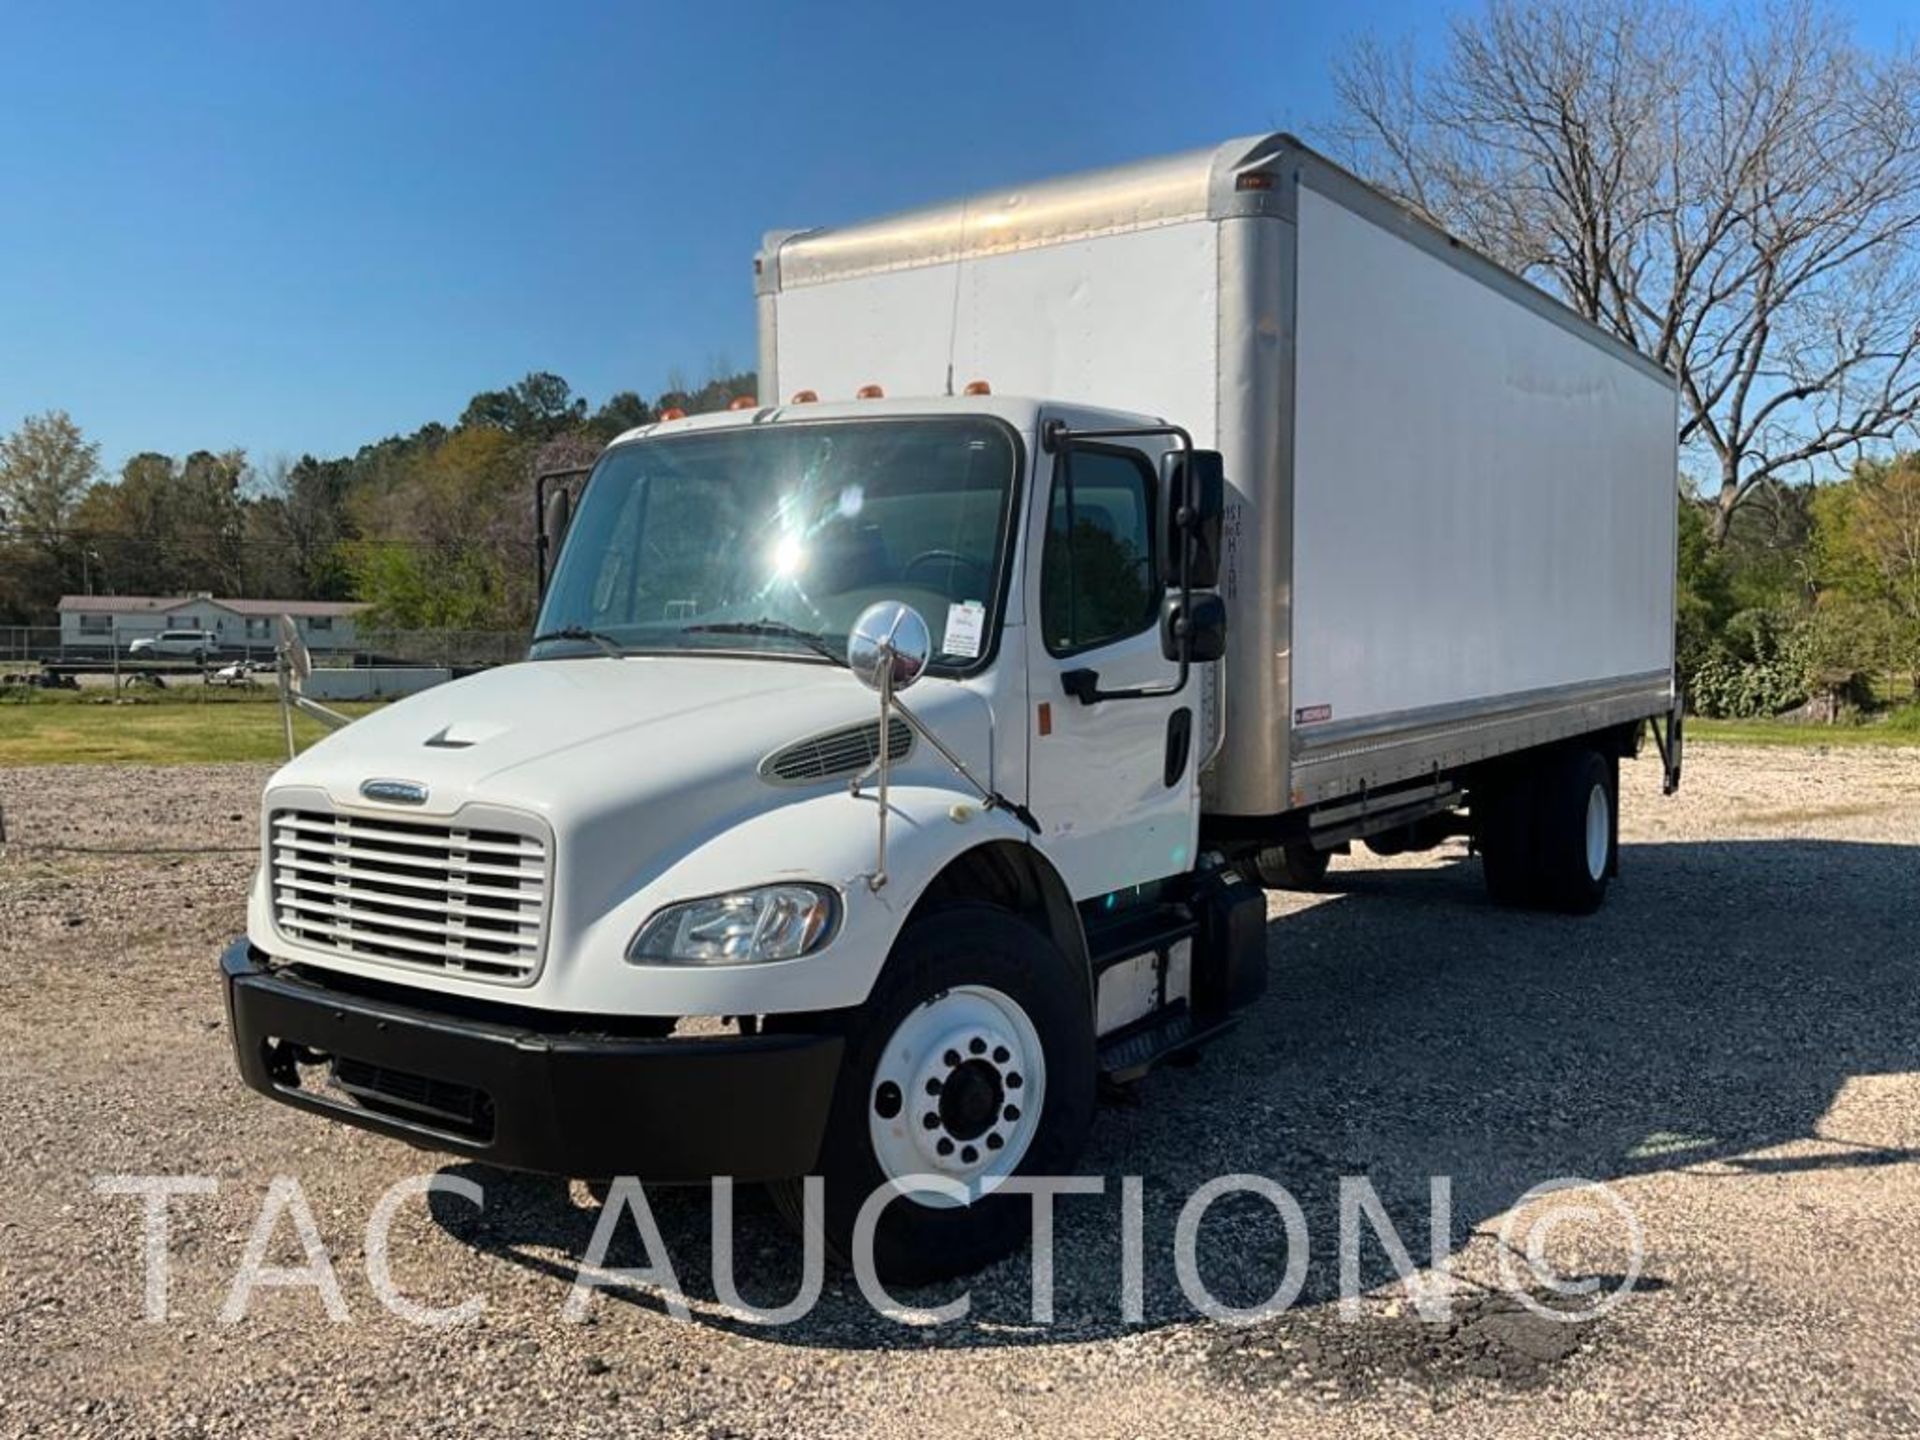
70 730
1902 728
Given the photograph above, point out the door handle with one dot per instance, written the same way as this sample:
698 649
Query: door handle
1179 744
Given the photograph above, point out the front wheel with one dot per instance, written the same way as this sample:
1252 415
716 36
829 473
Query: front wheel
972 1061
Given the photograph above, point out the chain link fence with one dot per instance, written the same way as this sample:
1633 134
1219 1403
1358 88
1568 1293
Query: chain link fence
449 649
22 643
456 650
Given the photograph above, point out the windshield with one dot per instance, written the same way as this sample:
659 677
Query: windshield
695 542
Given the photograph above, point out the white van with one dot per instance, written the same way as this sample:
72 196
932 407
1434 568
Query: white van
195 645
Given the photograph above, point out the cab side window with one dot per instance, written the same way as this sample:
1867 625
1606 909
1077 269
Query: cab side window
1097 571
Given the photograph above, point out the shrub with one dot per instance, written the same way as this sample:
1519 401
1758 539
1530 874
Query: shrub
1759 668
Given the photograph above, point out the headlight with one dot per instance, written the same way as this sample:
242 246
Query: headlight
772 922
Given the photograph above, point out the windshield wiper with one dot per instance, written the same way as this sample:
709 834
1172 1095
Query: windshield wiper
778 628
580 632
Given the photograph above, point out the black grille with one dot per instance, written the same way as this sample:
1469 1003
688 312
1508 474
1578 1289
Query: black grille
443 1104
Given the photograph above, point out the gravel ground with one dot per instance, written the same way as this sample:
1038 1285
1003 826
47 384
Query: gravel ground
1731 1044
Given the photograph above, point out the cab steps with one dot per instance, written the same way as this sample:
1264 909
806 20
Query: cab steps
1167 1037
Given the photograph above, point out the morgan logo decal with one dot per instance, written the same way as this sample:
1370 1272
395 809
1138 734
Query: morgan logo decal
1312 714
394 792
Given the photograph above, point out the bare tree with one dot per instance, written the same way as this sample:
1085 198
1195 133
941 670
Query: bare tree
1735 193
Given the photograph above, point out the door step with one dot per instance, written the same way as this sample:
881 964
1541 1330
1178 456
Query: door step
1128 1054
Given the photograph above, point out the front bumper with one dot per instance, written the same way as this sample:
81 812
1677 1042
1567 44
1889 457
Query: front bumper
515 1088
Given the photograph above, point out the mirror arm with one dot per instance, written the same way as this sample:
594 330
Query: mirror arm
875 650
991 798
332 719
885 757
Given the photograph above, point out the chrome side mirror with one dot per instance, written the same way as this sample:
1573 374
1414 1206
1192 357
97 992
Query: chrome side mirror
888 648
889 639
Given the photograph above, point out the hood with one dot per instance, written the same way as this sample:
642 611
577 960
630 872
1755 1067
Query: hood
576 740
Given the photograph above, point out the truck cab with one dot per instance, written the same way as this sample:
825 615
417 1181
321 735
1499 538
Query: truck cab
662 900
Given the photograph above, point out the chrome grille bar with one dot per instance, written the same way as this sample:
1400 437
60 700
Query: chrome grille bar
428 895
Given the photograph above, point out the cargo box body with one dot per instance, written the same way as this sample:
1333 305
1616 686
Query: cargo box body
1452 501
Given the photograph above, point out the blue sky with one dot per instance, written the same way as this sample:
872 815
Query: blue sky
304 227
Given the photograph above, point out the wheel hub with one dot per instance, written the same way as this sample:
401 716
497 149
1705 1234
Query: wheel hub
970 1100
964 1114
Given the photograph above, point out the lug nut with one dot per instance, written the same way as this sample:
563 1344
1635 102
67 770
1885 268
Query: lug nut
1012 1112
933 1085
945 1147
931 1120
994 1142
969 1155
977 1045
1001 1055
1013 1081
952 1057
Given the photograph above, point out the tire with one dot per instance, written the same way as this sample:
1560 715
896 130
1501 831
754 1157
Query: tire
1546 833
1293 866
944 997
1575 853
1504 826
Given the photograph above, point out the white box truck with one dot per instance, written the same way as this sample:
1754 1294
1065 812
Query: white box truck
1219 513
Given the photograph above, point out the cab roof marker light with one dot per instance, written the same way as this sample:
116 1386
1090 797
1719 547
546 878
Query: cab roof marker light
977 387
869 392
743 402
672 412
804 397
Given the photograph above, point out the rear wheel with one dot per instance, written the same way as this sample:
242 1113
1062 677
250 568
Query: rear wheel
971 1061
1293 866
1546 832
1576 842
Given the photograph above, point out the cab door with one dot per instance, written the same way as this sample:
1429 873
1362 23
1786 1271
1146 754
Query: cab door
1111 783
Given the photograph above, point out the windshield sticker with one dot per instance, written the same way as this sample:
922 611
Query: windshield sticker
966 621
